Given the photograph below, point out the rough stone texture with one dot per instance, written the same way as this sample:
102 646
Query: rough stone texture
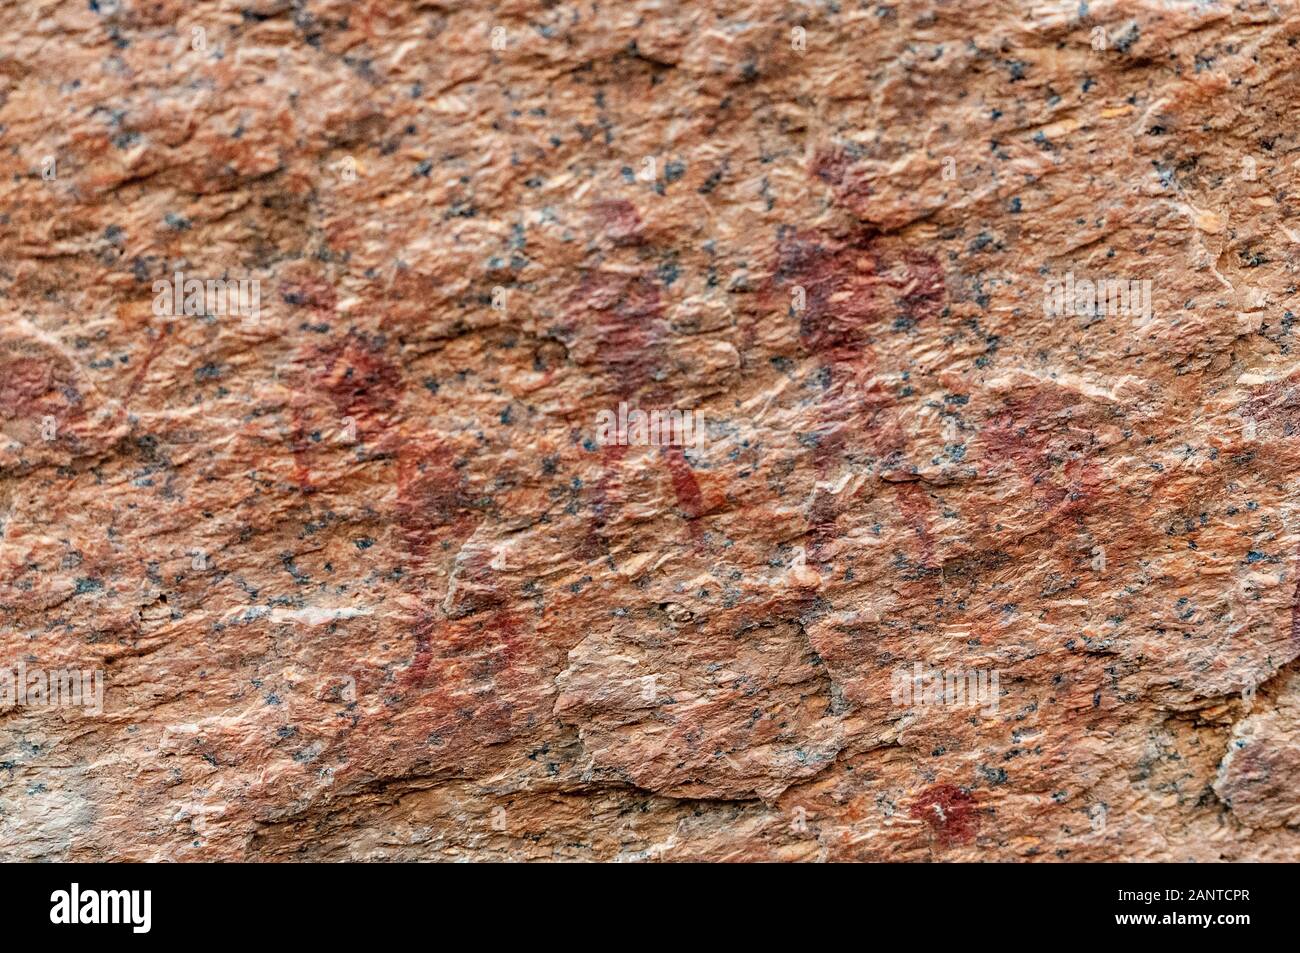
434 641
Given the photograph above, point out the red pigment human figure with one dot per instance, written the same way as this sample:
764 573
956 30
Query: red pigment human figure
1014 435
623 314
365 391
845 291
466 642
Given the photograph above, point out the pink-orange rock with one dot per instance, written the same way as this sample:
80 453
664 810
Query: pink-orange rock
362 581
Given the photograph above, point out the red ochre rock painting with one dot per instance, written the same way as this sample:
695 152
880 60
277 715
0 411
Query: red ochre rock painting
361 578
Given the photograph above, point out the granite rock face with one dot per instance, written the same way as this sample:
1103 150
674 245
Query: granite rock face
984 544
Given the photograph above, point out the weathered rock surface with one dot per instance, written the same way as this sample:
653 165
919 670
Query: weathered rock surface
362 582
